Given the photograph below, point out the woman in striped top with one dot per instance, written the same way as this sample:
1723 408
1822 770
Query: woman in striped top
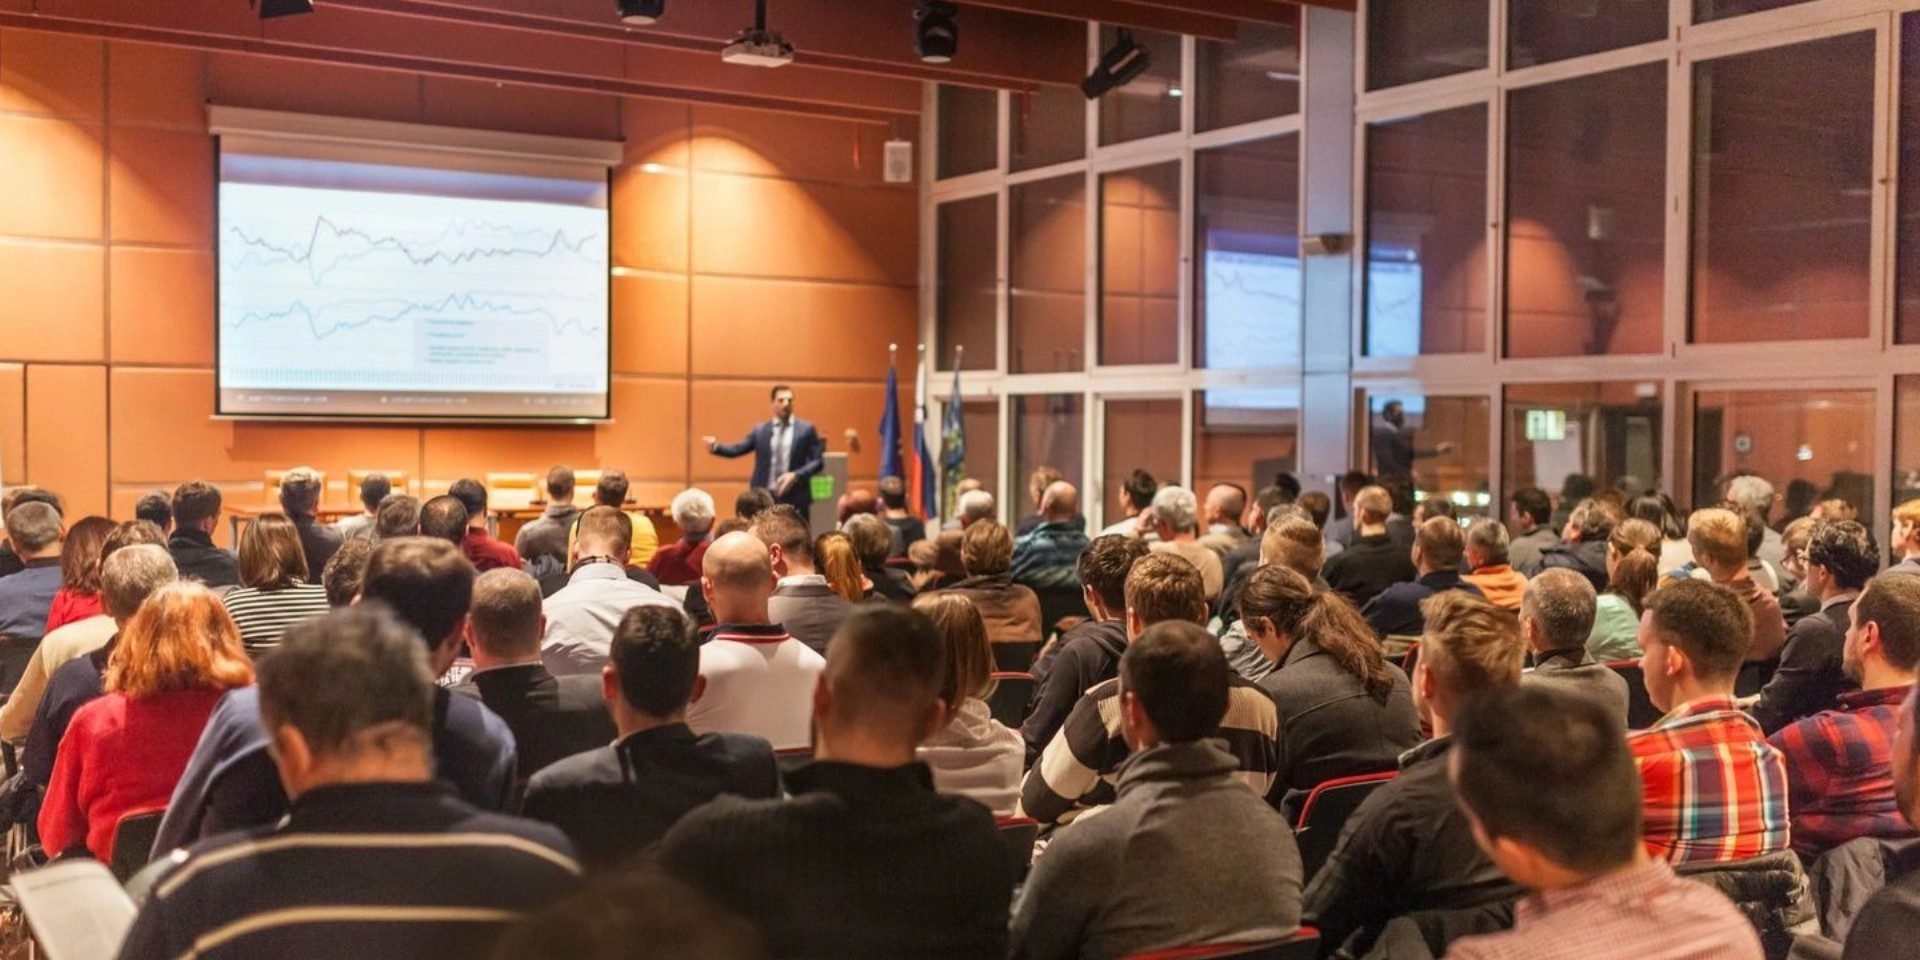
274 594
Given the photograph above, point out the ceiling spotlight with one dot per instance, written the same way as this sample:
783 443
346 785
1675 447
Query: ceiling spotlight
282 8
935 36
757 46
1118 66
641 13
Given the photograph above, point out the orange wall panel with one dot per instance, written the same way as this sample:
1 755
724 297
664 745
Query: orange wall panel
455 452
56 171
50 308
758 226
161 306
157 85
160 185
649 219
52 75
264 83
655 131
814 324
476 103
13 423
648 435
649 323
67 433
786 146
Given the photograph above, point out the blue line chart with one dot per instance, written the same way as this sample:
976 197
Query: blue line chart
365 313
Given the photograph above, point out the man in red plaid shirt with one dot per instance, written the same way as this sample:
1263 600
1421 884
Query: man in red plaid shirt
1840 761
1715 791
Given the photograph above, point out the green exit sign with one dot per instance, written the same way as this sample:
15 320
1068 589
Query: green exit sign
1546 425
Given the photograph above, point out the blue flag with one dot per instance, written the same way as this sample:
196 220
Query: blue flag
953 450
890 429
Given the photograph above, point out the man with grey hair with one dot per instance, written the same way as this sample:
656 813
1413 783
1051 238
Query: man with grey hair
1556 615
300 490
1176 521
678 564
1491 569
975 505
1751 496
127 578
33 531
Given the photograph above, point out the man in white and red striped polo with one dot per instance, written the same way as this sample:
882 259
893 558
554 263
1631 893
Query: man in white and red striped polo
759 679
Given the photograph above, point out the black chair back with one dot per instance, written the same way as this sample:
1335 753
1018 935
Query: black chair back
792 758
1016 837
1641 713
1325 811
133 843
1753 675
14 656
1015 657
1012 698
1057 604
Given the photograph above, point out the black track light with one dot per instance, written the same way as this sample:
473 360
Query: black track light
283 8
936 38
641 13
1125 60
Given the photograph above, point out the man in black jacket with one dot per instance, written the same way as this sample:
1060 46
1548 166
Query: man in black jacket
866 861
1090 652
551 717
1437 549
617 799
1584 551
1373 562
196 513
1841 558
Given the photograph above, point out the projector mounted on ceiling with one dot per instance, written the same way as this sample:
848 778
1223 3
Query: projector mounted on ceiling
757 46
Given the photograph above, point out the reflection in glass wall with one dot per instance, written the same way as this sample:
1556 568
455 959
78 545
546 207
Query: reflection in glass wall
969 130
1586 215
1246 262
1705 10
1140 265
1427 255
1810 444
1409 40
1047 431
1255 77
1436 445
1049 126
966 309
1587 436
1137 434
1783 192
1246 436
1906 439
1906 239
981 419
1047 256
1150 104
1542 31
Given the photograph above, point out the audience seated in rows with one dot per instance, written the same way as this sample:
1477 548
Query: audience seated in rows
124 751
611 491
374 488
1529 528
972 755
1044 557
275 589
1556 618
33 532
1269 507
865 861
156 508
1372 562
678 564
1409 848
1752 497
758 679
581 616
550 717
1292 543
615 800
1632 573
834 557
1185 854
482 549
802 602
445 518
196 514
1487 562
341 579
549 534
300 491
230 784
873 541
908 528
1799 601
79 595
1886 926
1011 610
373 859
1436 555
1719 541
76 639
1079 766
1583 542
399 516
1135 498
1840 559
1089 652
1715 791
1176 523
1037 484
1838 761
1549 791
1222 513
1343 709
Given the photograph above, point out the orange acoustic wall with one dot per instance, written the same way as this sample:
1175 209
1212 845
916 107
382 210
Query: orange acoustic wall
749 247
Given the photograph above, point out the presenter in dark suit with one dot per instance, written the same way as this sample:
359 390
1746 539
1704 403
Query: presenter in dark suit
787 453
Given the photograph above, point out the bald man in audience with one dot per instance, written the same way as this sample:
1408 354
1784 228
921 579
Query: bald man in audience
1225 505
582 615
759 679
551 717
1044 557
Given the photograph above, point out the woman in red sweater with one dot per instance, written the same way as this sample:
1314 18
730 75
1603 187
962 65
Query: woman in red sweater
123 752
79 596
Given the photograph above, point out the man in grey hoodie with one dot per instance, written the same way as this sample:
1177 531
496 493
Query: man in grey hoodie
1186 854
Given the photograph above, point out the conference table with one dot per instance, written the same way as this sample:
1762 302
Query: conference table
505 519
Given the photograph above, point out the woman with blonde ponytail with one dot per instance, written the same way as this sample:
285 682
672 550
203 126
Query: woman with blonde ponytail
1633 570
